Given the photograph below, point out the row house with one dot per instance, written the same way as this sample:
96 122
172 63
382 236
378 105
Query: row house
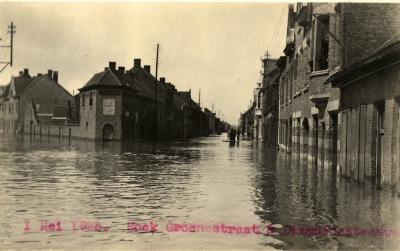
27 101
269 93
119 104
307 107
370 95
246 122
327 94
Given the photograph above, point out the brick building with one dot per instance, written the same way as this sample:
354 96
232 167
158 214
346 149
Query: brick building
27 101
269 94
369 128
246 123
322 39
120 105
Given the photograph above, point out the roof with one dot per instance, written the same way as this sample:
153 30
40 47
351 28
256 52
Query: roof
21 81
144 82
383 58
60 111
42 79
107 77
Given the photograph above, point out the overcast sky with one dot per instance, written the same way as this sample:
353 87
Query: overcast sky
215 47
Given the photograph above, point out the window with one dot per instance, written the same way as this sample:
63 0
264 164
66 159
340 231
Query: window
87 125
321 43
90 99
83 100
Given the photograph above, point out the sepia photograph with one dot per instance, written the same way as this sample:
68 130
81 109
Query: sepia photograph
199 125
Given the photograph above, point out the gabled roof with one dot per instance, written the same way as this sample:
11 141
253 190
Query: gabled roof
107 77
19 82
40 79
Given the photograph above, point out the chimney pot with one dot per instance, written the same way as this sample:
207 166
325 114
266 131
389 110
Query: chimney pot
121 69
137 62
39 74
106 68
50 73
21 72
55 76
112 65
147 68
162 80
26 71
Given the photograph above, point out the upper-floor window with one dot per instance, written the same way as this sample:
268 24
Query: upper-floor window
321 43
83 100
91 99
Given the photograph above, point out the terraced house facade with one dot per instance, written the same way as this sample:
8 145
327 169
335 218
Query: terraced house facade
324 39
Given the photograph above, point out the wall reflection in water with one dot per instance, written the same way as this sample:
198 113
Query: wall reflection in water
290 192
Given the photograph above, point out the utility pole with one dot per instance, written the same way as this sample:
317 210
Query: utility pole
199 97
266 64
11 30
155 97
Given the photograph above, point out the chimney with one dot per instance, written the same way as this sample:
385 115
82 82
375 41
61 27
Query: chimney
112 65
26 71
162 80
147 68
21 72
121 69
55 76
50 73
137 62
105 68
39 74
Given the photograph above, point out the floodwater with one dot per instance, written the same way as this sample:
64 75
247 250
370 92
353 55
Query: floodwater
88 193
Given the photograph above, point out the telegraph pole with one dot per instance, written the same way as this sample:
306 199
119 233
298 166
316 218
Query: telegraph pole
199 97
155 97
11 30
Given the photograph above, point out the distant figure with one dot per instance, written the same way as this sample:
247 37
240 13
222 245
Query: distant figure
232 135
238 135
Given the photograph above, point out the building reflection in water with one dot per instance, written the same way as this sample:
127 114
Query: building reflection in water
290 192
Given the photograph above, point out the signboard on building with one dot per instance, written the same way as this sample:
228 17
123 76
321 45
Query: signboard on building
108 106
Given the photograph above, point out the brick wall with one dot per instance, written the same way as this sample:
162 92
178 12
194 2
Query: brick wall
366 27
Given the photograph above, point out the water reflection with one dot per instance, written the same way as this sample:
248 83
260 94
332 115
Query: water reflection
204 180
289 192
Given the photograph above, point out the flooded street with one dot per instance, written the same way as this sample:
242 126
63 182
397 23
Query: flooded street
203 181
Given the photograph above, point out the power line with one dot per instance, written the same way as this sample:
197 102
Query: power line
276 27
11 31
